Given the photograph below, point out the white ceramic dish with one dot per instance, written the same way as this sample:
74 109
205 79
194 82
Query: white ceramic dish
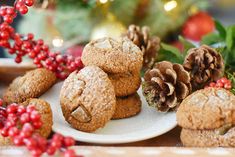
147 124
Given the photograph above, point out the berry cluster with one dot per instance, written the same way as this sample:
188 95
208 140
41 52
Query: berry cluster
221 83
19 123
26 45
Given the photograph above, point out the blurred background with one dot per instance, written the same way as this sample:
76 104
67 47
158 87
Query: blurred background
66 25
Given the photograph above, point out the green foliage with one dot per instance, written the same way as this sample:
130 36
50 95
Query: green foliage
170 53
187 45
224 39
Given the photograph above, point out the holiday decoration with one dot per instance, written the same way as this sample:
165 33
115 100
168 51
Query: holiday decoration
204 64
166 85
37 50
19 123
109 27
198 25
148 45
221 83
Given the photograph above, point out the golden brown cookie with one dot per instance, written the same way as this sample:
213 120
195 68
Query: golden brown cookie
46 115
125 83
88 99
32 85
208 138
127 107
113 56
208 108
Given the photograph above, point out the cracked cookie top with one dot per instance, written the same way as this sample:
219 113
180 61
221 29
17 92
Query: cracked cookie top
208 108
88 99
113 56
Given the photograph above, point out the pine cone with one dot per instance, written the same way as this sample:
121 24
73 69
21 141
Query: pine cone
166 85
148 45
204 65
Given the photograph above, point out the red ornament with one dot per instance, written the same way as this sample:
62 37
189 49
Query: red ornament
197 26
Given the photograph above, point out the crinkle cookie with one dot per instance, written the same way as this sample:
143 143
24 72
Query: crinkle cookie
222 137
125 83
113 56
32 85
88 99
127 106
208 108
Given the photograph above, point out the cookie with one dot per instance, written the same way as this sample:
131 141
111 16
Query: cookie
127 107
125 83
208 108
46 115
113 56
88 99
32 85
208 138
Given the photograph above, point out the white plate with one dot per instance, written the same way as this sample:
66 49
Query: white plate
147 124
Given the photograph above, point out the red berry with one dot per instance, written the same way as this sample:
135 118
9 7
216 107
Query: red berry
57 137
4 35
4 132
51 150
56 143
21 109
219 85
8 19
36 152
10 123
3 11
10 11
68 141
227 86
18 141
1 102
69 153
30 108
37 124
18 59
27 127
12 108
212 84
31 143
29 2
23 9
24 118
35 116
13 131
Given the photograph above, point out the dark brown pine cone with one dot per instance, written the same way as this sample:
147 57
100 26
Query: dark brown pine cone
148 45
166 85
204 65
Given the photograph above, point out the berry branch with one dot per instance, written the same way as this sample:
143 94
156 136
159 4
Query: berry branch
25 45
19 123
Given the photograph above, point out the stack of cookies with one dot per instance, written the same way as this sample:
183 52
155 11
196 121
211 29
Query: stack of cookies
122 60
208 118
